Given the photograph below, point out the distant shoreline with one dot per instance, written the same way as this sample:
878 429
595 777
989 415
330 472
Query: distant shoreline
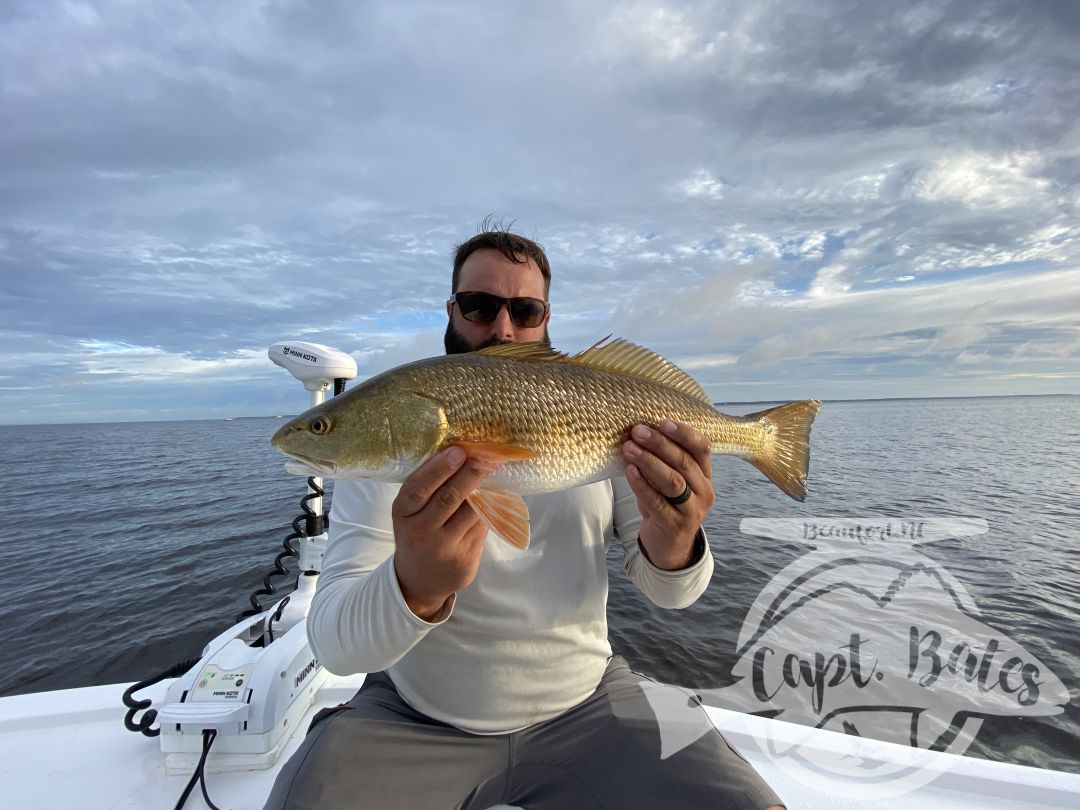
899 399
717 404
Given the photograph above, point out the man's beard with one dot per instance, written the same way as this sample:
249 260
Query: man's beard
456 343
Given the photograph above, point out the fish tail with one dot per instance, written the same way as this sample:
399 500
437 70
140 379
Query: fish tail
783 450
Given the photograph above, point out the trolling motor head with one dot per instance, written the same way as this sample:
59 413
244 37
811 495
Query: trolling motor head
315 365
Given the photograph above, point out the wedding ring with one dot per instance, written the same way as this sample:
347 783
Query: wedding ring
681 499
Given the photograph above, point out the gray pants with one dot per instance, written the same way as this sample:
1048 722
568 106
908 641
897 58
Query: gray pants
378 753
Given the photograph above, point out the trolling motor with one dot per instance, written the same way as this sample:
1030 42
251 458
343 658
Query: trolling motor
316 366
254 682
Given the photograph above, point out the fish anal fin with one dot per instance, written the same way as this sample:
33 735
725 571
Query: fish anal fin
623 357
494 452
504 512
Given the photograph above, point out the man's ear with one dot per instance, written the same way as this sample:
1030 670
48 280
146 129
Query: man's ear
449 309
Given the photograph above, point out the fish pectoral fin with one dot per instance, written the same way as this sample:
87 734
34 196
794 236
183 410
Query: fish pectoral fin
504 512
495 452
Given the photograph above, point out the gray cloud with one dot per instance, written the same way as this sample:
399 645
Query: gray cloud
778 194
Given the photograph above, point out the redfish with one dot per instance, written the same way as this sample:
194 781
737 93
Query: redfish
551 421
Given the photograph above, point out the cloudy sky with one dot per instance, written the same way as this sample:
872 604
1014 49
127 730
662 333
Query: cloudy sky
790 199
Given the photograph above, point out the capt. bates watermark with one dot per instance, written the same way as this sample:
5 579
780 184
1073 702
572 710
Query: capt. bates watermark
867 636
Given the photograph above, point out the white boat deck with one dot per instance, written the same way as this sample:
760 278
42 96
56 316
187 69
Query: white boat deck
70 749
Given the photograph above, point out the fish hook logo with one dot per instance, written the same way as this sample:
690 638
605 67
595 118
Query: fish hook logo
867 636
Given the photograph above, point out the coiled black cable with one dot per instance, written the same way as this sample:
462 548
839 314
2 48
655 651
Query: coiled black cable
275 618
144 723
313 527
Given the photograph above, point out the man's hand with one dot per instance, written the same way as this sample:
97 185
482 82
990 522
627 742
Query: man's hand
438 536
660 465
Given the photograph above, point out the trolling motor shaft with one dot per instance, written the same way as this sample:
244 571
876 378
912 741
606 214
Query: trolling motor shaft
317 367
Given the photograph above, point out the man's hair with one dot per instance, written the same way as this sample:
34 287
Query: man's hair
516 248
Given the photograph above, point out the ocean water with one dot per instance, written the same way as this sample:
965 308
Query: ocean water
130 545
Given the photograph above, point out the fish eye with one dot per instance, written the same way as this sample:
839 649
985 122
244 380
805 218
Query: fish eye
320 425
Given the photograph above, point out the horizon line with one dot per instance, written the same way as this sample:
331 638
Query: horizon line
717 403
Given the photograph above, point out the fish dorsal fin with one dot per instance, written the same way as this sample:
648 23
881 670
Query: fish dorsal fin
526 352
623 357
620 356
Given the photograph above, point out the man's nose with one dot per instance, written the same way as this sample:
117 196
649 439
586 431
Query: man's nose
502 327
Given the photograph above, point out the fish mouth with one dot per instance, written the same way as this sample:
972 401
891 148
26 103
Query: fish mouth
300 464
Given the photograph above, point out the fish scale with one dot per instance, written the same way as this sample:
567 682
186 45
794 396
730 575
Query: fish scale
575 422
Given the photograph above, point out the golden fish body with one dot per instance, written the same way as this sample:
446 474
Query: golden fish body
558 420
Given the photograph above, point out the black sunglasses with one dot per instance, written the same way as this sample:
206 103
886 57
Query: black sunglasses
482 307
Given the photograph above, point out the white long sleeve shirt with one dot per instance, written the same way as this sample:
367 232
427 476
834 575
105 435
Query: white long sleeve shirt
525 641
